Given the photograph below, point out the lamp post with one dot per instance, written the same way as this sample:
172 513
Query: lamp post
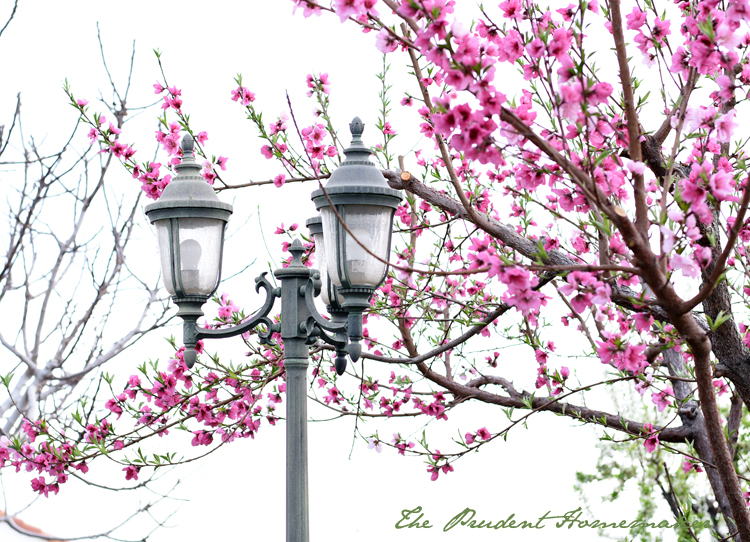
190 219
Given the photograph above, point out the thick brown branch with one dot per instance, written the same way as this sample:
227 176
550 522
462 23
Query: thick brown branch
692 417
701 349
524 401
634 145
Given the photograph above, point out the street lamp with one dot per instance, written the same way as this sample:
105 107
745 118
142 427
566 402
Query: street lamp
189 220
353 236
357 208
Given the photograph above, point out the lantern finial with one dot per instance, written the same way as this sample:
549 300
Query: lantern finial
357 153
187 146
356 127
188 167
297 251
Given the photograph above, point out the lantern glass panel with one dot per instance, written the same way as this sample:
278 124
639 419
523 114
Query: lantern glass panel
320 249
371 224
200 242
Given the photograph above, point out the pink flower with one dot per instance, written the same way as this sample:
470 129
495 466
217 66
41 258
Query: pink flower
661 30
40 486
637 168
661 399
385 42
689 465
113 406
680 61
333 396
484 434
643 321
311 8
227 307
570 104
721 387
601 93
535 48
82 103
635 19
202 138
375 443
279 180
560 43
201 438
131 472
687 265
348 8
266 151
512 9
725 127
652 441
30 430
244 96
634 360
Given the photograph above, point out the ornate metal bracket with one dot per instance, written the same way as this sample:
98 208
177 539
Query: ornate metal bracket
316 326
299 317
192 332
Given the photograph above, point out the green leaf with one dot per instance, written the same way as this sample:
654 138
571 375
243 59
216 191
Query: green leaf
7 379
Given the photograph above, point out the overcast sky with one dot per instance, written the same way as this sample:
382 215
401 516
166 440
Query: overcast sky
238 493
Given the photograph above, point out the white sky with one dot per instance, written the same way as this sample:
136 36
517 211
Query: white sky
238 492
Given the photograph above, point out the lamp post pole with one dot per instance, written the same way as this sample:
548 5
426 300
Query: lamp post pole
294 311
190 220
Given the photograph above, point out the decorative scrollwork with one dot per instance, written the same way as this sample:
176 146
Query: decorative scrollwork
260 317
313 332
338 327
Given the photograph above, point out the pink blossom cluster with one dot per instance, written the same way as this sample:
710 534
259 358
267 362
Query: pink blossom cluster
280 125
172 395
624 356
243 96
227 308
705 50
400 444
480 434
590 290
170 142
51 458
355 8
318 83
637 20
309 7
553 381
171 98
152 183
521 293
438 463
313 138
